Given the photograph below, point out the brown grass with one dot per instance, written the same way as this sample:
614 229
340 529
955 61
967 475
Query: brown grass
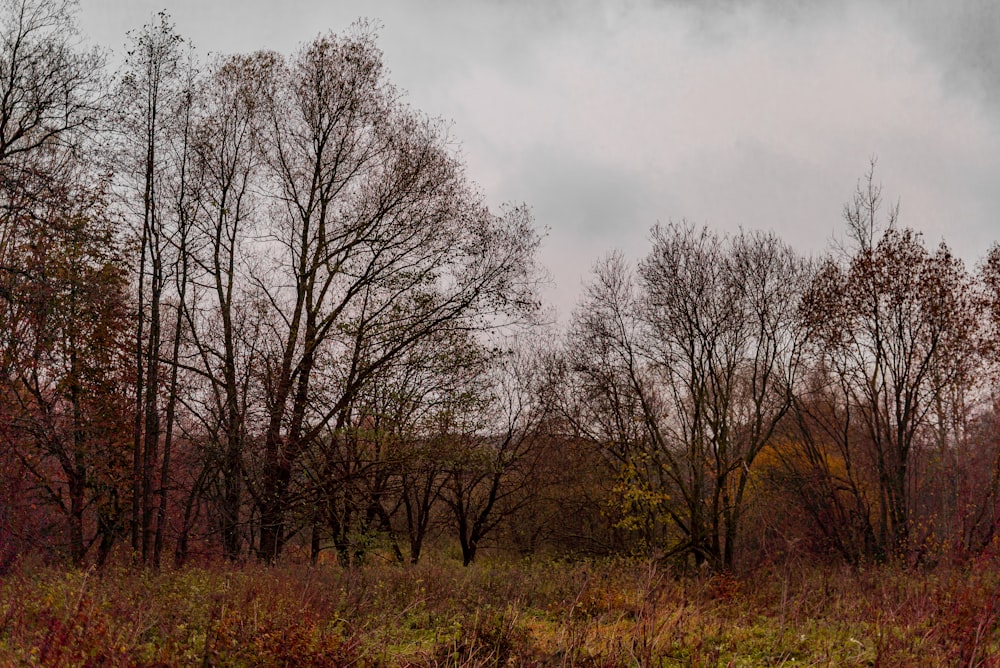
500 613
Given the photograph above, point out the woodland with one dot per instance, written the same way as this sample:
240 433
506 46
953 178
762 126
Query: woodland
254 311
277 387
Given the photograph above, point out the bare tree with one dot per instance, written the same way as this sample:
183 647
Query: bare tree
50 99
383 471
153 91
693 366
224 323
494 450
889 332
606 394
381 244
49 87
182 197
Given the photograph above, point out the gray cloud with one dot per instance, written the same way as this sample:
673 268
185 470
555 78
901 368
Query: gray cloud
964 36
608 115
587 208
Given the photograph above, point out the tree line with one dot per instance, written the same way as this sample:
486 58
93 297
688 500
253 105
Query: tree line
253 307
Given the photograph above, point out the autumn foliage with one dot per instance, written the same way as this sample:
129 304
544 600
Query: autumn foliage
252 308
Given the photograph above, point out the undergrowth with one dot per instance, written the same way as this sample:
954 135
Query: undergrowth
500 613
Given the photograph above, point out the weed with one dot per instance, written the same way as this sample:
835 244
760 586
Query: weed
500 613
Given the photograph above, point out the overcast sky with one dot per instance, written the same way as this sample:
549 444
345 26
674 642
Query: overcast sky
606 117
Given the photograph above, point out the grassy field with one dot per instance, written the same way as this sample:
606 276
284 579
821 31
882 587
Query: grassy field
500 613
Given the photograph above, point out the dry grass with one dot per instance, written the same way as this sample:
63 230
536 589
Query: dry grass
500 613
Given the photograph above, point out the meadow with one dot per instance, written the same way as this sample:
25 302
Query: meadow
500 612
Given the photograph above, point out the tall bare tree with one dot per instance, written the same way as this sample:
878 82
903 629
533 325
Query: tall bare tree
50 100
382 243
692 366
224 322
889 333
150 158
